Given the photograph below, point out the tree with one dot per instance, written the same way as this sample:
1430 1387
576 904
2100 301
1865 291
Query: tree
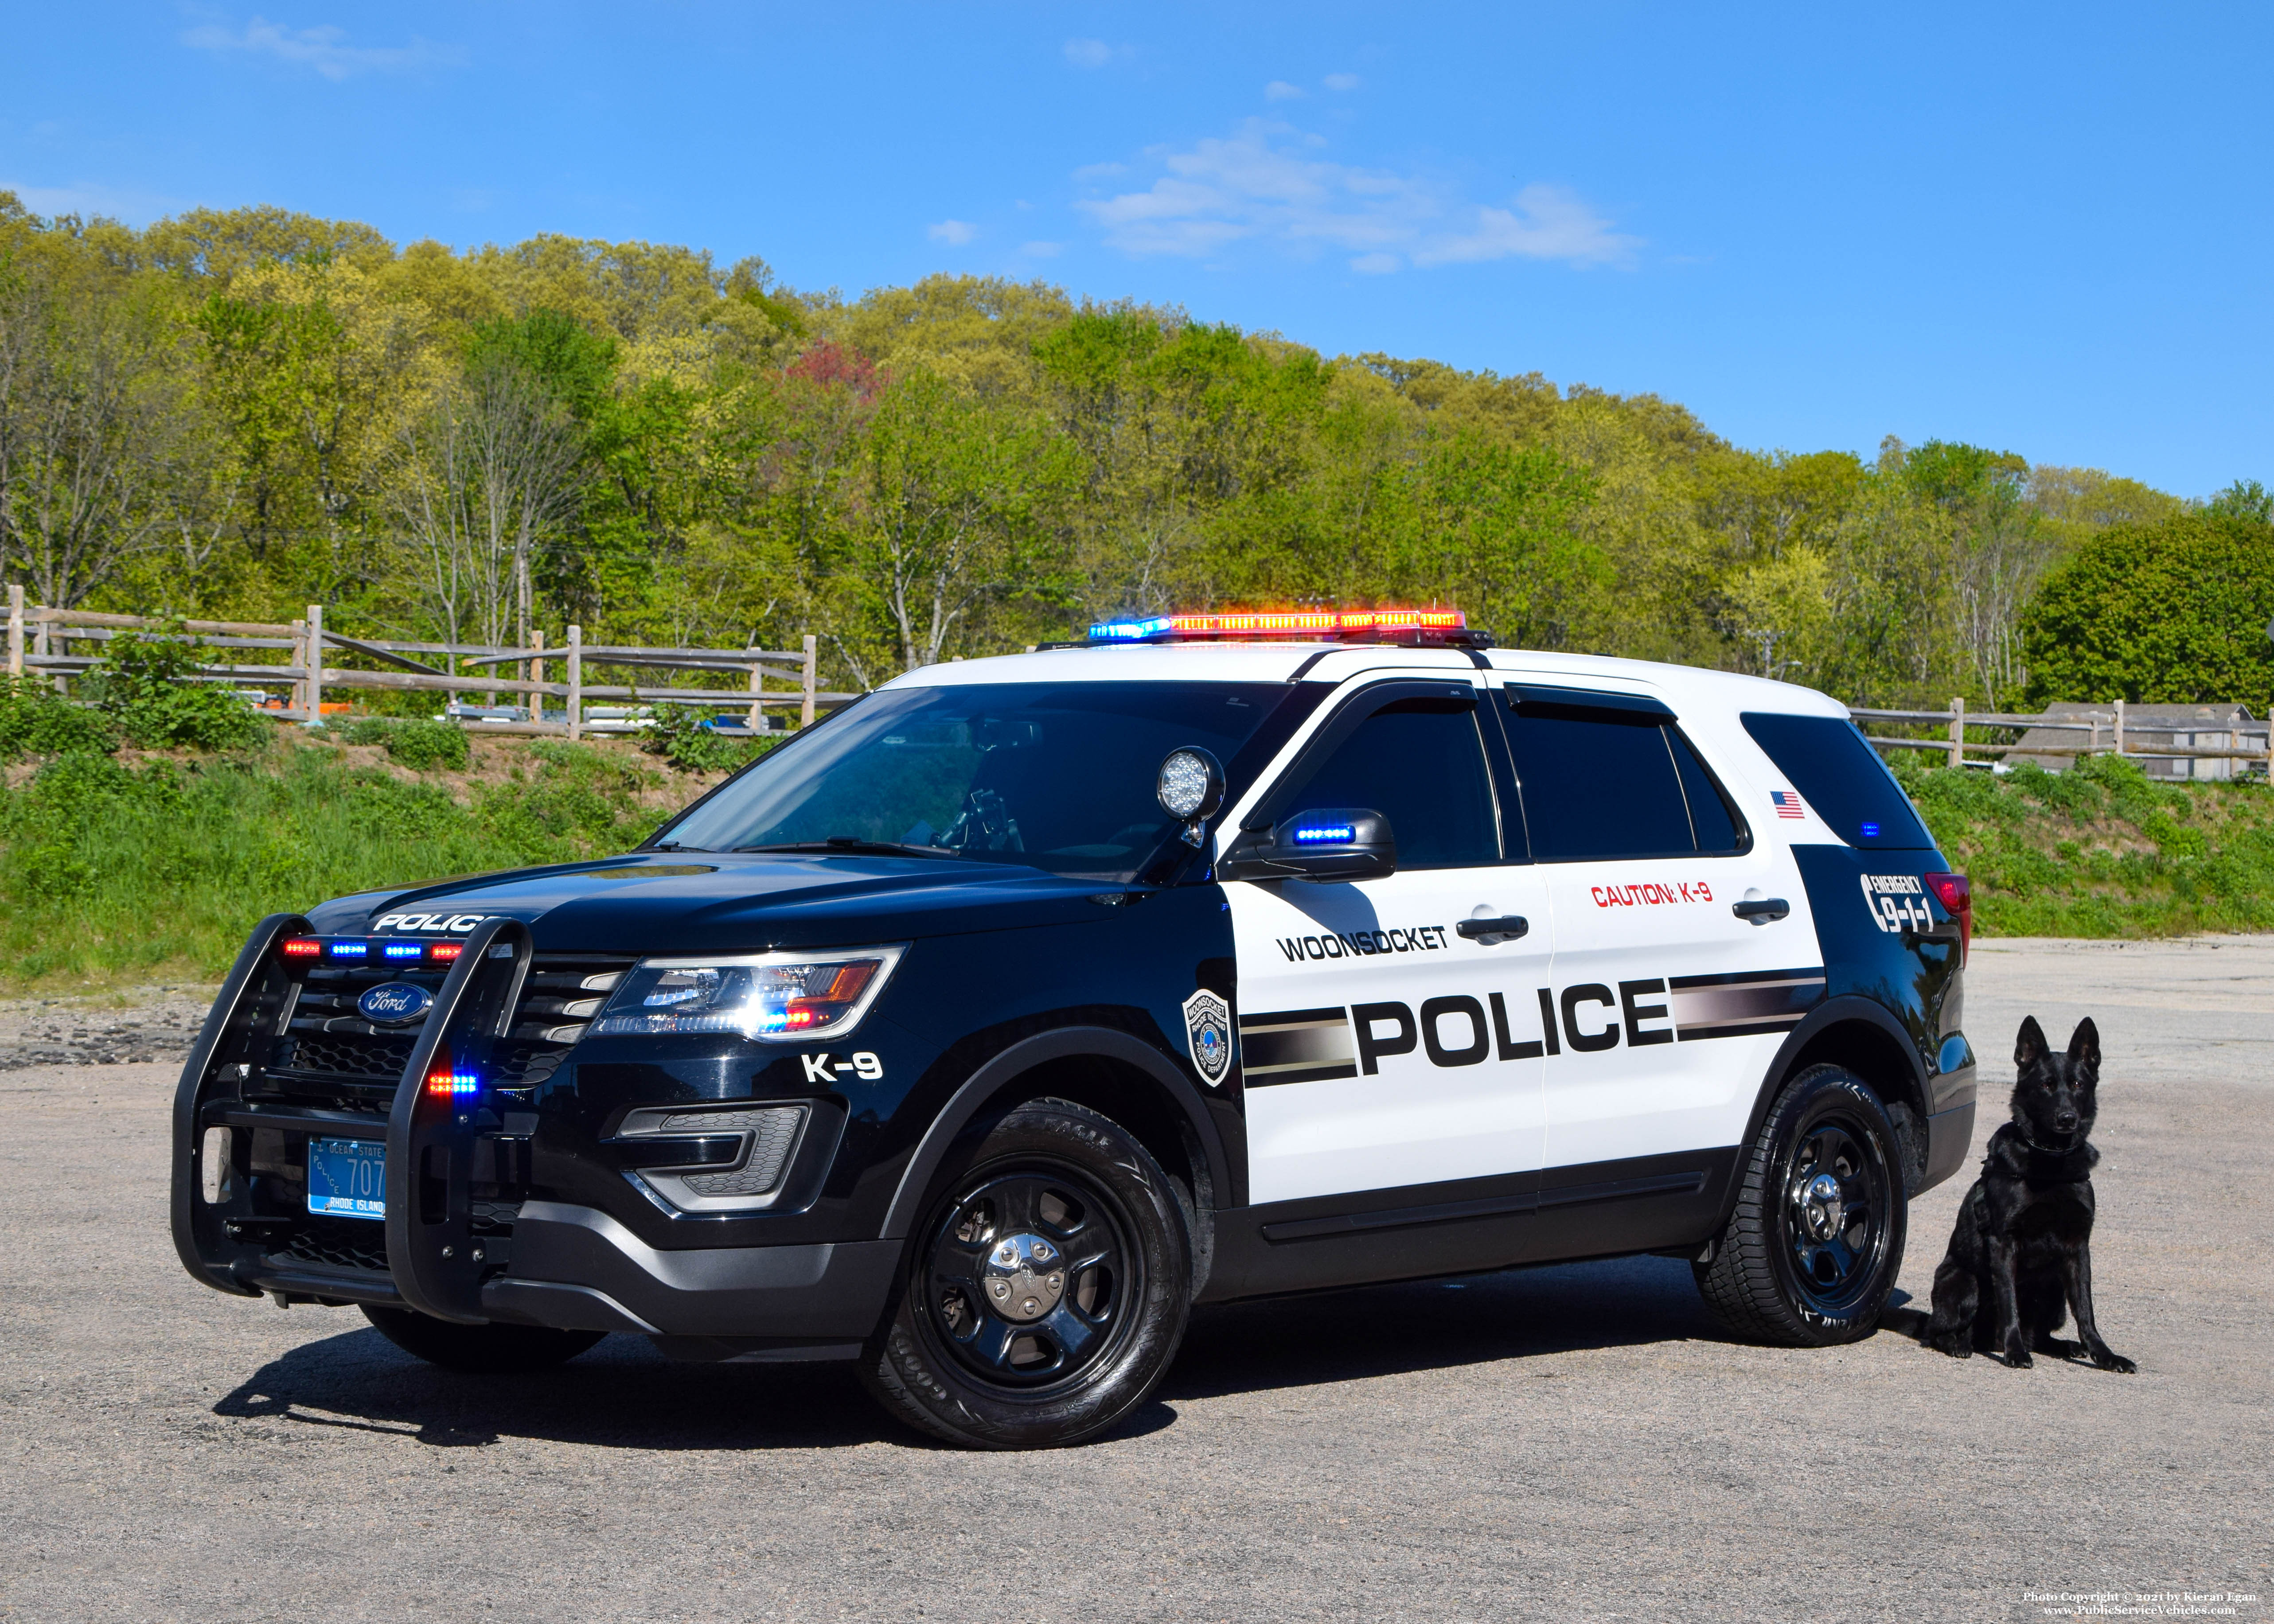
87 420
2176 613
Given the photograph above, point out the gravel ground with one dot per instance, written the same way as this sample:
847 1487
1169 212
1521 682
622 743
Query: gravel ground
1574 1440
152 1023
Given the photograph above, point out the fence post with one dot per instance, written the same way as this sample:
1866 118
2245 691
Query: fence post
315 664
300 660
1958 731
536 674
2119 727
15 631
812 655
757 719
576 682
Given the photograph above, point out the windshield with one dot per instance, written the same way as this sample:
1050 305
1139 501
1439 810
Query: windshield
1056 776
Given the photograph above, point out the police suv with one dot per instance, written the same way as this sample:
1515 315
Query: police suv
981 1030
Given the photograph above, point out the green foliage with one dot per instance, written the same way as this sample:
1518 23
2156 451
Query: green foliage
143 685
2102 850
680 738
106 868
421 745
2176 611
36 720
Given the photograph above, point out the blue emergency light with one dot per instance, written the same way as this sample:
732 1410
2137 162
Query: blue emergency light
404 949
1870 832
1326 834
349 950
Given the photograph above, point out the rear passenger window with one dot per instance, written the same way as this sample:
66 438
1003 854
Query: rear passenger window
1604 783
1420 763
1840 776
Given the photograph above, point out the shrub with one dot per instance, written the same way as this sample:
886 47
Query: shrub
36 720
146 685
422 745
680 738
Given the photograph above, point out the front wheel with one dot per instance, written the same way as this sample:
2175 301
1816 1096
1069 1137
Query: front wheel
1046 1291
484 1350
1808 1257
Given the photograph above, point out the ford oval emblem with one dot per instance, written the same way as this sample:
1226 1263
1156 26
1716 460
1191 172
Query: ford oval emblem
397 1004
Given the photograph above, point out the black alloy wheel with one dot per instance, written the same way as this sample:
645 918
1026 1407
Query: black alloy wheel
1046 1292
1814 1245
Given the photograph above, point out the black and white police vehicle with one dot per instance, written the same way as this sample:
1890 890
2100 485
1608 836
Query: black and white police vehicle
981 1030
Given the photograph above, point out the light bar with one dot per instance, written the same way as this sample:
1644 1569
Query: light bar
349 950
447 1085
1301 623
1337 834
446 951
302 947
403 950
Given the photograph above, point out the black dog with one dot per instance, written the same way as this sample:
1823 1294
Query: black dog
2021 1258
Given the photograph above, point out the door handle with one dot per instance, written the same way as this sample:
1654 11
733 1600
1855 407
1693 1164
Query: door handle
1507 927
1762 912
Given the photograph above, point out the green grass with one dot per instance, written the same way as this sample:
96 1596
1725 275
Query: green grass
2104 851
111 870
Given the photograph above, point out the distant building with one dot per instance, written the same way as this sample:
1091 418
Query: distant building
2150 728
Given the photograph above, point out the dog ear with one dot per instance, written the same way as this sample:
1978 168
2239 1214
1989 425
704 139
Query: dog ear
2084 1044
2029 1044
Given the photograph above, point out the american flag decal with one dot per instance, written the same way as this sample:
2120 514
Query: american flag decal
1787 803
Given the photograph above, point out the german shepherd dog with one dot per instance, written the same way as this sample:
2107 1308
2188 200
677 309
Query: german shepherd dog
2021 1259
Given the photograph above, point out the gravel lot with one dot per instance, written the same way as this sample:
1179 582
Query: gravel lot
1574 1440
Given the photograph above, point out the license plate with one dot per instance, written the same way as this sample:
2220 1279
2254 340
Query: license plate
346 1178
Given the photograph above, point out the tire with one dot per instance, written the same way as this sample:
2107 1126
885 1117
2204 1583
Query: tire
1046 1291
1800 1265
481 1349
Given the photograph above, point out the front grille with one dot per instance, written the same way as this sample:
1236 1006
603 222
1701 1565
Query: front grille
352 1244
328 1047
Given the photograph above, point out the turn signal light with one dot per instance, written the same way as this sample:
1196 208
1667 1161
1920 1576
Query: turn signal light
1957 899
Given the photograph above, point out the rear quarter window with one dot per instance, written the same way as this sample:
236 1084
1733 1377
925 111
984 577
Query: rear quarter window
1839 774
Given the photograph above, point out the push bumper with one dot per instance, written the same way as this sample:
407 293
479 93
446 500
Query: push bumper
577 1269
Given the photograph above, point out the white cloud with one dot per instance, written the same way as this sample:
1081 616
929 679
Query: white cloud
1280 90
1260 185
1042 251
1342 82
956 232
322 49
1546 222
1088 53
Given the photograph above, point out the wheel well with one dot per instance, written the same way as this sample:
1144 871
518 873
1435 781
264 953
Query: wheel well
1878 1058
1120 1091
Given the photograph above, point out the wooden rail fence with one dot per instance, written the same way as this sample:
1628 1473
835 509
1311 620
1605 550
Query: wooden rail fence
40 642
2107 733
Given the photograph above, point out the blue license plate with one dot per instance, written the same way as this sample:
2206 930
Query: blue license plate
346 1178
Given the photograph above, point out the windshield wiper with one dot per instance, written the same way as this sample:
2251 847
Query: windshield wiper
856 847
674 846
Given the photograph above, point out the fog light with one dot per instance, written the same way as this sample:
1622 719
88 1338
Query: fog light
212 1166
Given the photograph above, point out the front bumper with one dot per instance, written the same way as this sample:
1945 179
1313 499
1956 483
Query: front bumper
577 1267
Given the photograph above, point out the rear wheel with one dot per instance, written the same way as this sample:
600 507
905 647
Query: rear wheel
1046 1291
1809 1255
482 1349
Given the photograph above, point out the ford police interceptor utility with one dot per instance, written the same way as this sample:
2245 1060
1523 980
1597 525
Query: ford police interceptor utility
979 1031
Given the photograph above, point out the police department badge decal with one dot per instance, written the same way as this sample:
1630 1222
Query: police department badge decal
1208 1030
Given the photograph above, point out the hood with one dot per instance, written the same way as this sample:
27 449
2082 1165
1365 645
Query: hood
658 902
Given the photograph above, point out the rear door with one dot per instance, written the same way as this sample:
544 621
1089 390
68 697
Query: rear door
1668 1000
1379 1047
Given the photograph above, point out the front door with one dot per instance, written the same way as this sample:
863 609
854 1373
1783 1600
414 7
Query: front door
1379 1047
1669 1004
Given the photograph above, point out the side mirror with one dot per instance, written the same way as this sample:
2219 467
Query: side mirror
1326 845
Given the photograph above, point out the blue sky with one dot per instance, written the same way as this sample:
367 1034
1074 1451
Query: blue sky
2044 230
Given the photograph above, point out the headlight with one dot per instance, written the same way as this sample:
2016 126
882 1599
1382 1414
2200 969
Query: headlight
774 997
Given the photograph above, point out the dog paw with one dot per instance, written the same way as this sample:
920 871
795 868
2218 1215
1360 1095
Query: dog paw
2018 1359
1955 1347
2108 1360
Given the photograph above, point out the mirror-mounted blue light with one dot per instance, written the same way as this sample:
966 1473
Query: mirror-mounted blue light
1326 834
1870 832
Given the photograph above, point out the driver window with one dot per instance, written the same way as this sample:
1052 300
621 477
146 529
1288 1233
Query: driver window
1420 763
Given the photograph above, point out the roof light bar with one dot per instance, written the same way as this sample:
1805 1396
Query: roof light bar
1304 625
302 947
404 949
